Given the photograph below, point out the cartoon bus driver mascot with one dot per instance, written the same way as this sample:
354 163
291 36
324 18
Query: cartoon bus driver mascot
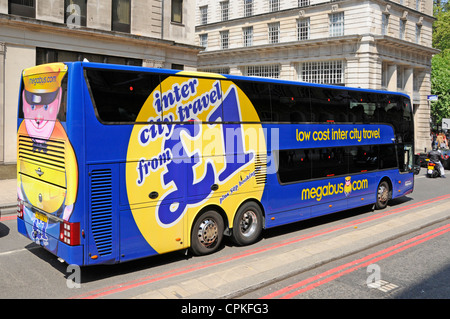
348 186
44 140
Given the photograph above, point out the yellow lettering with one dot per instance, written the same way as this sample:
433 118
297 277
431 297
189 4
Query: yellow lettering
321 135
301 136
332 189
305 194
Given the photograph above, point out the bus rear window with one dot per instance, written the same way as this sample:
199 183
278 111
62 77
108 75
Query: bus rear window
119 95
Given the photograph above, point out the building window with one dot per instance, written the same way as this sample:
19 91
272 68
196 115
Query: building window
303 3
121 15
247 34
303 29
224 10
324 72
75 12
248 8
402 29
274 32
337 24
265 71
204 41
384 24
204 15
177 11
384 75
177 66
274 5
418 32
400 78
224 39
418 5
222 70
44 55
25 8
416 82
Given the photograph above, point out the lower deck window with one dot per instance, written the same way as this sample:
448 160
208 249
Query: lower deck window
303 164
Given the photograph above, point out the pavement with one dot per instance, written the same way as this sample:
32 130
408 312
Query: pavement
8 189
242 275
8 196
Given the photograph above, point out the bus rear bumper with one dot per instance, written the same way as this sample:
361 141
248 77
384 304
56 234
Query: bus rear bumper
70 254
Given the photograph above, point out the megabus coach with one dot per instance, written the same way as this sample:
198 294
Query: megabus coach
119 162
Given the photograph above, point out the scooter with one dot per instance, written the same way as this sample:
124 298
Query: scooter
432 170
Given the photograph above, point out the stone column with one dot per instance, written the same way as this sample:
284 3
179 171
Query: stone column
2 101
392 77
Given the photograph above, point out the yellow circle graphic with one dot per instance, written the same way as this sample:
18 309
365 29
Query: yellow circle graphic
194 146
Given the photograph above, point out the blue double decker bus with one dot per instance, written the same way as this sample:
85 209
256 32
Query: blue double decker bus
119 162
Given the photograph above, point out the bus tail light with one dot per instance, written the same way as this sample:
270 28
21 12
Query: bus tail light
19 209
69 233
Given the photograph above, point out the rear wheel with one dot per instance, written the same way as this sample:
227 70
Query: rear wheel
383 195
248 223
207 233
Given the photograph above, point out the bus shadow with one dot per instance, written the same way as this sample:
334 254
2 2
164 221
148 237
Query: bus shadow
95 273
330 218
4 230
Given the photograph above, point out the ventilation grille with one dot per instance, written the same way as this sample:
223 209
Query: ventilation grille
48 152
101 210
261 168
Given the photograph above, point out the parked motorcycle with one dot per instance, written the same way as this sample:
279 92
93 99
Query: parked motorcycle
432 170
417 164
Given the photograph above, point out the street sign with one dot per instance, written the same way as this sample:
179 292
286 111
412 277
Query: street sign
446 124
432 97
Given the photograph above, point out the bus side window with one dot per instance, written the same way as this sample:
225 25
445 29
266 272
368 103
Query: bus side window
290 104
329 162
259 95
329 105
408 129
388 156
363 158
405 157
294 165
362 108
118 96
398 113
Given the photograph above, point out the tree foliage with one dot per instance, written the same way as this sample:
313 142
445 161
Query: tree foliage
441 30
440 64
440 85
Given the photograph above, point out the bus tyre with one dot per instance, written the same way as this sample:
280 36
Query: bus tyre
383 195
207 233
247 225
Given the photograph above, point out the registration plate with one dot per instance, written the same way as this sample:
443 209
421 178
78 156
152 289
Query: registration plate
41 217
431 167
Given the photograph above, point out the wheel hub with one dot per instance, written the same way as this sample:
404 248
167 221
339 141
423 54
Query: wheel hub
208 232
248 223
383 193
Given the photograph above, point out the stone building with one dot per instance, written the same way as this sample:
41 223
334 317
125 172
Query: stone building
375 44
154 33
